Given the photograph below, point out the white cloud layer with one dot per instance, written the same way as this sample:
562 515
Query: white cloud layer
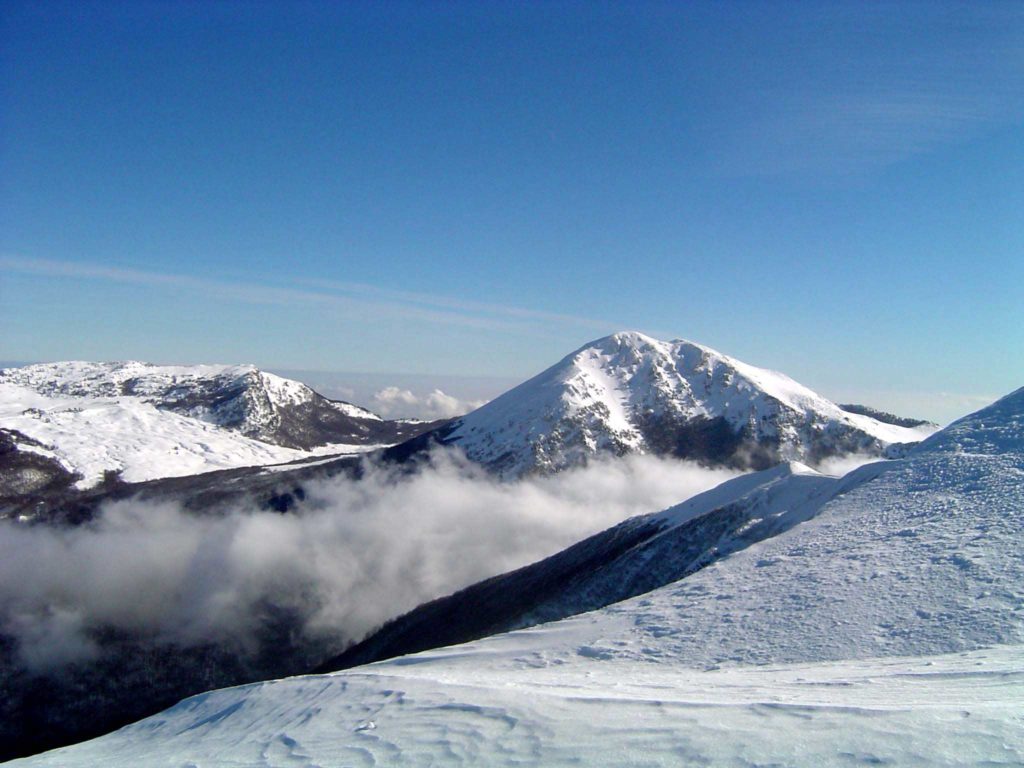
355 554
397 403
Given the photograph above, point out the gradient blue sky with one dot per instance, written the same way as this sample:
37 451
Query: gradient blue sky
475 189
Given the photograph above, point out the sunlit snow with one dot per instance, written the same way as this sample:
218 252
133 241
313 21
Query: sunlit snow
886 629
99 417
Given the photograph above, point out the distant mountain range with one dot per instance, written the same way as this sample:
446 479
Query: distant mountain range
85 422
629 393
78 427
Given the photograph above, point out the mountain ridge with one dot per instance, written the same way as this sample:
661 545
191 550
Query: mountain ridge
628 392
650 551
138 421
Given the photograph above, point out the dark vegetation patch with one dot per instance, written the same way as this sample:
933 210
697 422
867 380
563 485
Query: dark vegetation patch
133 678
24 472
708 441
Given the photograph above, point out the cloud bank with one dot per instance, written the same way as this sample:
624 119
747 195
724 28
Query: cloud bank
354 555
397 403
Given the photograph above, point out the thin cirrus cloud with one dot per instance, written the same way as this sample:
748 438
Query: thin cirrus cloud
449 303
858 132
357 298
852 90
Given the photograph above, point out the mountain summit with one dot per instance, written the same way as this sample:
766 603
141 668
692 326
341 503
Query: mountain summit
630 393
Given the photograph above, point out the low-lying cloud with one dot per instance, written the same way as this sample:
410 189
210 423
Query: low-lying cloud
355 554
396 403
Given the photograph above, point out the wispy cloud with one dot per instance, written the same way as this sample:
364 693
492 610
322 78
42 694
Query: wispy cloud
356 298
450 303
851 132
856 88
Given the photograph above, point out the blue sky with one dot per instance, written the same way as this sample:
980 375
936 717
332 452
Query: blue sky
465 190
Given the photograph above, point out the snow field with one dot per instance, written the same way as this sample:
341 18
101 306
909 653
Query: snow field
949 710
92 435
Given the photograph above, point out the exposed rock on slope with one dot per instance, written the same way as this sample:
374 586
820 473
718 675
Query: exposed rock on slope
631 393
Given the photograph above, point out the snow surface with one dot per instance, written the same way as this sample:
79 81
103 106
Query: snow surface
80 378
606 396
961 709
769 482
887 628
356 412
95 434
95 417
163 384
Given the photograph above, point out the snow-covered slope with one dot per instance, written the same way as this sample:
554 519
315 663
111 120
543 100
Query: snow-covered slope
644 553
631 393
512 704
885 628
634 557
146 421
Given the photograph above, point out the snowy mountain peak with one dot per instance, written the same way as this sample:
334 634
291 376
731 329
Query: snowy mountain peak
692 360
629 392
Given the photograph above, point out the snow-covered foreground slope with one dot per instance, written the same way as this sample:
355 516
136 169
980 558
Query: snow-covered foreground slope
147 421
630 393
640 554
953 710
888 628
